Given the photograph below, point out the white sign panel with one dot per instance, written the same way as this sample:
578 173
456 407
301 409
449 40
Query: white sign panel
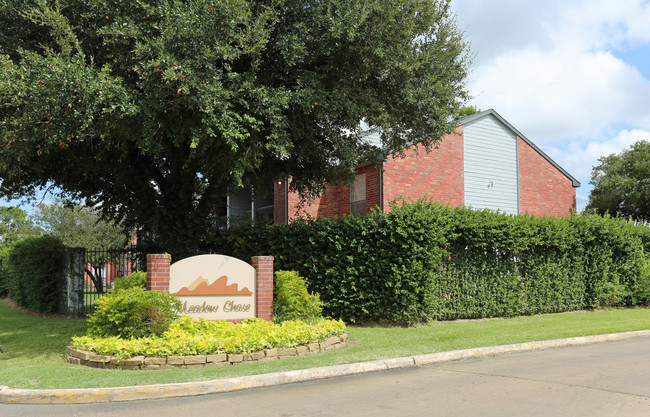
214 287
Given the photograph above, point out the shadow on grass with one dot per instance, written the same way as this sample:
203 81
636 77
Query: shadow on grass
26 336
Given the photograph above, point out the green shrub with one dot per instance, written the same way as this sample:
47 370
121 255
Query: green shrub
423 261
4 269
133 312
641 288
33 273
200 337
292 300
134 279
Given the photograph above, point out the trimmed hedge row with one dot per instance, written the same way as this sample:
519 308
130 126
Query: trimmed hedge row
30 271
423 261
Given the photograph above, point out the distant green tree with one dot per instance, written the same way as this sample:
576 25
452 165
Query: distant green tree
468 111
621 184
153 110
15 225
80 226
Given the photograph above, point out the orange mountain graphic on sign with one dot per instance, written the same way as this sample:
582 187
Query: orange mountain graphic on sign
200 286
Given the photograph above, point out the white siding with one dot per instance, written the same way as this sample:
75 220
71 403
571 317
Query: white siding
491 179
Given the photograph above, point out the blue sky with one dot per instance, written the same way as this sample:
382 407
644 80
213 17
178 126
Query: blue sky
571 75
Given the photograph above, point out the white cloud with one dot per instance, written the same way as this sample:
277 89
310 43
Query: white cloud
499 26
550 68
551 95
601 24
581 156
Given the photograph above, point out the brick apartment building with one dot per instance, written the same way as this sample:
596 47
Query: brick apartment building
485 164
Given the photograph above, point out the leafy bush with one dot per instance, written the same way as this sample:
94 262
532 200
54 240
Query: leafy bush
4 269
291 300
32 271
641 288
133 312
192 337
134 279
423 261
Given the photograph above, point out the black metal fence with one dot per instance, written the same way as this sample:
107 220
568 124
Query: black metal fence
102 266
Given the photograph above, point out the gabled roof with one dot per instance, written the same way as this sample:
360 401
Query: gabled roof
491 112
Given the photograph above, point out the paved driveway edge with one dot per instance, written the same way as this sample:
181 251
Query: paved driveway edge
147 392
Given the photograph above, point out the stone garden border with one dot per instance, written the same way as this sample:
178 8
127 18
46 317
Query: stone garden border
94 360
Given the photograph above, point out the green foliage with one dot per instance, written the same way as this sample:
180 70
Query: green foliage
133 312
641 287
136 279
190 337
621 184
145 110
468 111
422 261
80 227
5 250
292 300
15 225
32 273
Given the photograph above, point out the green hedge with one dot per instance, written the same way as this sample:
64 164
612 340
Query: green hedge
5 250
32 271
422 261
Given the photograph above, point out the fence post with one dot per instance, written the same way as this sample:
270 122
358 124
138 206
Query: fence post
158 271
264 286
73 279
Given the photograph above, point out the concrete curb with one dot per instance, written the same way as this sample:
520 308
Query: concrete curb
147 392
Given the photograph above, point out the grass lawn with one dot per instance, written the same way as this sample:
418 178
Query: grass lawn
34 347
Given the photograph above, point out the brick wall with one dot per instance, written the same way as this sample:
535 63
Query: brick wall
335 201
437 174
264 286
158 272
543 189
279 216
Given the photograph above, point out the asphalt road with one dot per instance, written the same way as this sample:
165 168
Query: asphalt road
604 379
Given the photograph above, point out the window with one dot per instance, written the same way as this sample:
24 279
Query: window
358 195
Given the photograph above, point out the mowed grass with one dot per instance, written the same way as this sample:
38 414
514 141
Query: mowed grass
34 347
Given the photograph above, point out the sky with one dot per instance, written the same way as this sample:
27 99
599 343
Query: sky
572 75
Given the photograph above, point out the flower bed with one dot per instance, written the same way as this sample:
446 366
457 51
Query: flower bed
208 343
140 362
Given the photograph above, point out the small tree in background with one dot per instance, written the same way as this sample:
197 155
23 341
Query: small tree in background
622 184
80 226
15 225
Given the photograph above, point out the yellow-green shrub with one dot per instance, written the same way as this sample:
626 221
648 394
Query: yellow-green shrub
200 337
133 312
292 300
134 279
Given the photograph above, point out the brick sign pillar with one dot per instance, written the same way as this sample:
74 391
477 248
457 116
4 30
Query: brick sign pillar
264 286
158 272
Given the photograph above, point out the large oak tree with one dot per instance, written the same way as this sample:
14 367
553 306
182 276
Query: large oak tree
151 110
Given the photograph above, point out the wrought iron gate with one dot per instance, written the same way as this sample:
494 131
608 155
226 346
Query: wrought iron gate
90 274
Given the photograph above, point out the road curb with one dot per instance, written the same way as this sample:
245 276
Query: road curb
186 389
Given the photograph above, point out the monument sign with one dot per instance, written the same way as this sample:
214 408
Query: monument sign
214 287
